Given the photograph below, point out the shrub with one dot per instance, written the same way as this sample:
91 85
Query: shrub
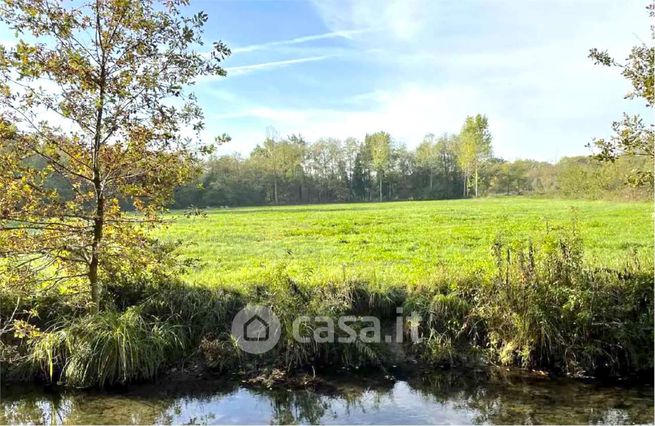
546 309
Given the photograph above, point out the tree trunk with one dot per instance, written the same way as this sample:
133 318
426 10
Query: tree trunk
98 225
380 179
351 194
369 188
99 219
476 182
431 177
275 190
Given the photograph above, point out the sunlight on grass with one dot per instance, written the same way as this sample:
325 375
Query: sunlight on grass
394 243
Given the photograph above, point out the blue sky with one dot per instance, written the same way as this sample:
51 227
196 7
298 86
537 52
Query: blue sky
343 68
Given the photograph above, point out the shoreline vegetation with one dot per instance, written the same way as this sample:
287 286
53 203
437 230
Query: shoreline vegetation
543 306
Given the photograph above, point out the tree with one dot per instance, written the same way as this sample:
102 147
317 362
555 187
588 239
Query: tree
401 171
296 152
474 148
100 99
360 181
269 155
509 177
329 165
280 159
446 147
632 137
379 146
427 157
351 149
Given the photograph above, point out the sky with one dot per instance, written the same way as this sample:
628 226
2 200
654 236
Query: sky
340 68
344 68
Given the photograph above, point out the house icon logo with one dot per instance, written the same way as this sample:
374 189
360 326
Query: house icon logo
256 329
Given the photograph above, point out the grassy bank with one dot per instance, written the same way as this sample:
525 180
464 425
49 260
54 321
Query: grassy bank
510 282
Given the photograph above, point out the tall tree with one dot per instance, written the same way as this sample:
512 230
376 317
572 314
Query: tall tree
360 181
427 157
100 98
280 159
632 136
351 148
446 148
401 171
269 155
379 146
475 147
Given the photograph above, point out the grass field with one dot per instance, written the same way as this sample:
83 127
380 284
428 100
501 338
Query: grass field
540 309
394 243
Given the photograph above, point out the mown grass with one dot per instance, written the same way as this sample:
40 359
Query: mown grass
397 243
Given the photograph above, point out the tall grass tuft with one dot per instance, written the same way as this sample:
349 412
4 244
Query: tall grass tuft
106 349
200 311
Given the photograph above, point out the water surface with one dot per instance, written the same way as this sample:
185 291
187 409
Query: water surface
439 397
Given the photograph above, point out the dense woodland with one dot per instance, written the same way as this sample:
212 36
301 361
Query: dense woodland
294 171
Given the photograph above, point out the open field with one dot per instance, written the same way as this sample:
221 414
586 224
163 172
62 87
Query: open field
395 243
540 309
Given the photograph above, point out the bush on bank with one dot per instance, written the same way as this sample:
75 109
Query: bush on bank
543 308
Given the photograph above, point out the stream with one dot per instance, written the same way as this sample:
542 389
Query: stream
437 397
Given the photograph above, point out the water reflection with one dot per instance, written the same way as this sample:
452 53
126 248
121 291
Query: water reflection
439 397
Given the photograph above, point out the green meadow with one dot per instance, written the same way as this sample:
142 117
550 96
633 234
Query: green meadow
578 300
395 243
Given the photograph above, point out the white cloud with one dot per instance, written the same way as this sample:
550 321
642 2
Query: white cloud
401 19
347 34
244 69
407 113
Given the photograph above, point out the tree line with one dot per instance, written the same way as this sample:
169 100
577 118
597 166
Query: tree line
292 170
